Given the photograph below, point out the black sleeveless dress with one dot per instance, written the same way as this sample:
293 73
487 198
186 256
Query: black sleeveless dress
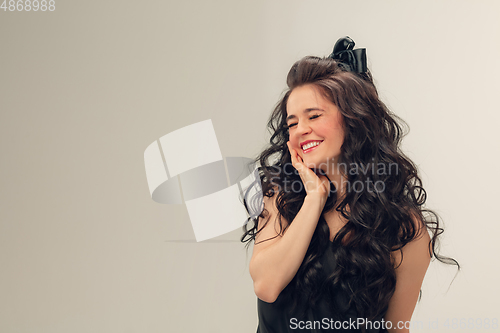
275 317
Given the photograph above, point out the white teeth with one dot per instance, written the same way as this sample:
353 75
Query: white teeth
310 145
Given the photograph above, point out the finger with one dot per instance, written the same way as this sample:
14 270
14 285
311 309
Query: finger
290 149
326 182
298 158
293 155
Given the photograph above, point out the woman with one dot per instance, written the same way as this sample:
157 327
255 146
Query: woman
342 243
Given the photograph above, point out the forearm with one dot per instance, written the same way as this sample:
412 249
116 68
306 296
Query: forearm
276 265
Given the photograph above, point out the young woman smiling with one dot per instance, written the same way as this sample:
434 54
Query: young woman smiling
331 247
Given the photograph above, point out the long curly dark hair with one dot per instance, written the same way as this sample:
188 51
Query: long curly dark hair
379 221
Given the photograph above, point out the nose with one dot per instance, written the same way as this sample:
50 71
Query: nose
303 128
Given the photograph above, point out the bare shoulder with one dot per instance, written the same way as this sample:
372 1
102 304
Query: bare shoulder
416 250
411 265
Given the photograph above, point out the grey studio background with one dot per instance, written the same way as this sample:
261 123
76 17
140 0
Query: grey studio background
86 88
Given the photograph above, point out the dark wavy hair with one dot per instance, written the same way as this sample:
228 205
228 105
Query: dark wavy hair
379 222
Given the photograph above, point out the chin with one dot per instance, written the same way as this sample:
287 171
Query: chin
322 164
314 164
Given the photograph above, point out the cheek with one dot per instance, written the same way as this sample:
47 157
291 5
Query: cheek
339 139
328 130
335 130
339 133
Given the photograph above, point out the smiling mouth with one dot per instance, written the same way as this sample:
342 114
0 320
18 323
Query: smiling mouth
310 146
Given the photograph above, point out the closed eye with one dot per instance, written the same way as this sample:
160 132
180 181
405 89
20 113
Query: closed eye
311 118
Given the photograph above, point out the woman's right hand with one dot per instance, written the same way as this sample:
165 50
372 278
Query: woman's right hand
315 185
281 245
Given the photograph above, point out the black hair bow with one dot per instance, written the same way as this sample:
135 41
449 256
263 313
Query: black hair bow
352 60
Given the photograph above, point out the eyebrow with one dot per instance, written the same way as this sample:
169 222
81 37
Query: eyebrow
292 116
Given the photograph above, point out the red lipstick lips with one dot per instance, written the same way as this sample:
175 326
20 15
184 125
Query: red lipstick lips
309 146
